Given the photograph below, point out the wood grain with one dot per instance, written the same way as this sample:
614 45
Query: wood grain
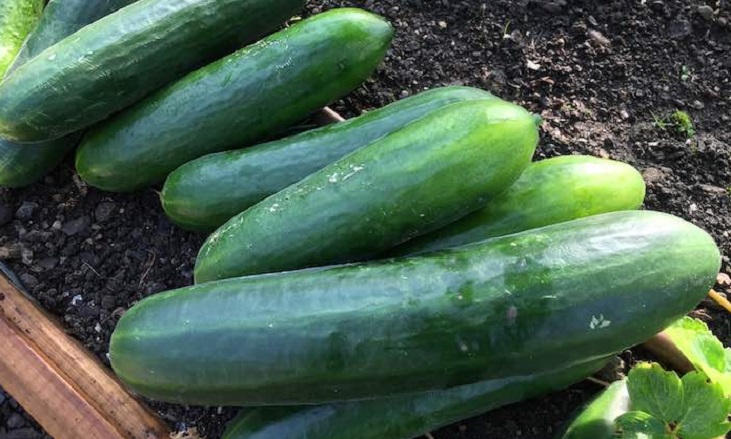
61 384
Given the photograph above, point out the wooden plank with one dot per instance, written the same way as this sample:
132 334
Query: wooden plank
83 394
41 390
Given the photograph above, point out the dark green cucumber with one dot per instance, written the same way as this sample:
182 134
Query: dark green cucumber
115 61
401 417
596 420
411 182
549 192
60 19
23 164
17 20
513 305
237 101
205 193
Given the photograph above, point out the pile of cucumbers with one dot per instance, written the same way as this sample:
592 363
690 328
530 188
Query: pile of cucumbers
374 278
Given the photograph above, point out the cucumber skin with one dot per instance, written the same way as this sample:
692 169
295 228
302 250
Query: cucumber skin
268 86
413 181
24 164
60 19
550 191
596 420
203 194
402 417
17 20
121 58
503 307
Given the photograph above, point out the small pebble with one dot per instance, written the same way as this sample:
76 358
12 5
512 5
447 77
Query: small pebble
15 421
706 12
679 29
103 211
48 263
76 226
26 210
29 280
109 302
723 279
26 255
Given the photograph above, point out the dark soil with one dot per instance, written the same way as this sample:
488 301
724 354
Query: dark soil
601 74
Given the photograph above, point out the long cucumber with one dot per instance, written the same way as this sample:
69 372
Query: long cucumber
430 173
513 305
239 100
114 62
24 164
401 417
205 193
549 192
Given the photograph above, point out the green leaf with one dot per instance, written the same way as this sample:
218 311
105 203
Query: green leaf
705 408
656 392
703 349
640 425
668 407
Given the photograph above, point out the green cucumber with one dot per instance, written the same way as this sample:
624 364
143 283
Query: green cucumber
549 192
596 420
411 182
237 101
401 417
205 193
17 20
514 305
24 164
60 19
116 61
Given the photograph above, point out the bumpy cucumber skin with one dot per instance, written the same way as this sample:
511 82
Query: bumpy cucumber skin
17 20
540 299
205 193
596 421
401 417
60 19
550 191
116 61
413 181
237 101
24 164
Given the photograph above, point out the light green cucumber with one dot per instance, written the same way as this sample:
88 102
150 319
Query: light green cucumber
549 192
429 174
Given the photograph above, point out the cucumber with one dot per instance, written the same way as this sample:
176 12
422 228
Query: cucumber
402 417
237 101
17 20
596 420
413 181
205 193
24 164
549 192
115 61
514 305
60 19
